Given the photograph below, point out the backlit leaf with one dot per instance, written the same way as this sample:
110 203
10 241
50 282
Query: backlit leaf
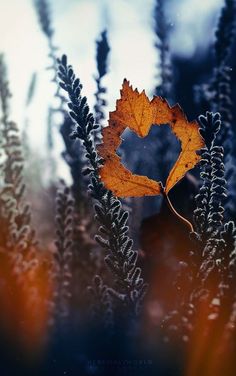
135 111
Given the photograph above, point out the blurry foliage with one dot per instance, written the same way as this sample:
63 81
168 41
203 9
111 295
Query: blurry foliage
165 147
162 31
72 153
14 208
101 59
79 283
25 289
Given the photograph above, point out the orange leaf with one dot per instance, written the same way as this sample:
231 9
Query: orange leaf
138 113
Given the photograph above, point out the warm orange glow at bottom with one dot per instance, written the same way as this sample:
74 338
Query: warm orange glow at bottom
25 294
210 350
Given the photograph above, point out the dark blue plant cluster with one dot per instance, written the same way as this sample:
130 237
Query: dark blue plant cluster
217 94
120 258
205 278
113 290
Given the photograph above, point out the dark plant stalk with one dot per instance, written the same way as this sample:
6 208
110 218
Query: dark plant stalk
165 148
121 258
217 94
72 153
212 194
64 250
204 276
101 59
161 28
225 32
209 215
101 304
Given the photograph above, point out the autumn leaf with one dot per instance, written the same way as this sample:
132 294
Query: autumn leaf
135 111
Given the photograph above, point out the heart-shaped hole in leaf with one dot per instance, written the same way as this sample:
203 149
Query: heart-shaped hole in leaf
159 145
135 111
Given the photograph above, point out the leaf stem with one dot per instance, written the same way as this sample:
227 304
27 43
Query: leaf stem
183 219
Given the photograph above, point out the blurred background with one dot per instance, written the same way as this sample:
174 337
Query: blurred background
77 25
179 49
